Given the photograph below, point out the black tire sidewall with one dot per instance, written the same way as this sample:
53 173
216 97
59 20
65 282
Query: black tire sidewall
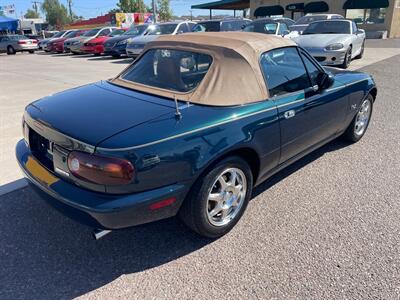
200 197
10 50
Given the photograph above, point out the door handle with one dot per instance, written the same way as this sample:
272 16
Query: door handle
289 114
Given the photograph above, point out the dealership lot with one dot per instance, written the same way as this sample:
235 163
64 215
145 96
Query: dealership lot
326 227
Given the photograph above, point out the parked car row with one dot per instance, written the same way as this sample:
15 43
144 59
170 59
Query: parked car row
331 39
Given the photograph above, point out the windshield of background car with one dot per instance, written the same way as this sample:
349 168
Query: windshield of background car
267 28
116 32
137 30
328 27
92 32
163 29
58 34
310 19
174 70
71 34
207 27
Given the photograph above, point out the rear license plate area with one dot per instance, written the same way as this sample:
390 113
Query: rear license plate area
41 149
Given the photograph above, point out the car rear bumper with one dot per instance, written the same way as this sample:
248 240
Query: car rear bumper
328 58
98 210
27 47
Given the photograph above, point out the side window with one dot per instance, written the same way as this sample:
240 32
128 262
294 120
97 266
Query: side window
312 69
105 32
284 71
183 28
354 27
227 26
191 26
282 28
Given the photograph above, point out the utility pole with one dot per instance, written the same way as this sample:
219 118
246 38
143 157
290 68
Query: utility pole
35 5
154 4
191 15
70 8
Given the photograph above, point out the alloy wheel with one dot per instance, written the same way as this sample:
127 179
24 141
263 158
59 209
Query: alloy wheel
226 197
363 117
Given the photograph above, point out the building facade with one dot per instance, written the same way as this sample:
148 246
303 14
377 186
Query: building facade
374 16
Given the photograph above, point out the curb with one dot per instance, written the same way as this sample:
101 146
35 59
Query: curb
13 186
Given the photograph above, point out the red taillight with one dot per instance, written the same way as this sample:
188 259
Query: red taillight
163 203
100 169
21 42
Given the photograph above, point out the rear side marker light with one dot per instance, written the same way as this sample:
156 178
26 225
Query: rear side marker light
163 203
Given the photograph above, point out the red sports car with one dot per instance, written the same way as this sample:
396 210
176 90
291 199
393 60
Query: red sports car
58 44
96 45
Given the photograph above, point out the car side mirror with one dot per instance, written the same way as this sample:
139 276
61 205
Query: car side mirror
325 81
359 31
285 32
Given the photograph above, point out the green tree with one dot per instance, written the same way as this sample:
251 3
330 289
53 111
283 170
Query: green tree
56 13
164 10
130 6
31 14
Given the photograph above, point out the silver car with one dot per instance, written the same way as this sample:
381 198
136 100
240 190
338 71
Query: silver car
135 46
17 43
302 23
333 42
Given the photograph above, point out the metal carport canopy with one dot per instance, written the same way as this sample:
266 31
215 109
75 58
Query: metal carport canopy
224 4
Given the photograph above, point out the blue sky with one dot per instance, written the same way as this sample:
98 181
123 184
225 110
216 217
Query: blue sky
93 8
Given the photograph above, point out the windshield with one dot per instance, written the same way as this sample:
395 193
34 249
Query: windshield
58 34
328 27
267 28
173 70
71 34
310 19
116 32
207 27
162 29
137 30
92 32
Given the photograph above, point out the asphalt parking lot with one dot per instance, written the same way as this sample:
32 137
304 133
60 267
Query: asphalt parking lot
325 228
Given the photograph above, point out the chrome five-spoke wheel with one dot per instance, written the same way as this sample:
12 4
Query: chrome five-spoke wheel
363 117
226 196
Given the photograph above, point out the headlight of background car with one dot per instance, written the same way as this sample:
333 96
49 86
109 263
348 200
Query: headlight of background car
336 46
123 42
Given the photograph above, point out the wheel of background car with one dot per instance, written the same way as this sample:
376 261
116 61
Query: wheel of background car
219 198
347 59
10 50
31 51
362 51
359 125
116 55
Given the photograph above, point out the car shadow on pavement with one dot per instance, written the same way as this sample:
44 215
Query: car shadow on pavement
47 255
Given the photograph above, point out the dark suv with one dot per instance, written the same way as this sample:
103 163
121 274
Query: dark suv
220 25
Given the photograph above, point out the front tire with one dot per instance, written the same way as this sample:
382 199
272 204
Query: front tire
360 123
359 56
116 55
347 59
218 199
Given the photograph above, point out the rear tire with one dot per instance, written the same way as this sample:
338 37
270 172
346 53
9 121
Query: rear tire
31 51
219 198
116 55
10 50
358 127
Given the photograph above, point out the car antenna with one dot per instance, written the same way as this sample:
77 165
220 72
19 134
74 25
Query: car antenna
178 114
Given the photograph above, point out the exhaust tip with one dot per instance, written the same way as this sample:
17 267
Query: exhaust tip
99 233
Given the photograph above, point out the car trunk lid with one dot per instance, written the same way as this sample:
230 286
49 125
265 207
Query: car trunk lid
92 113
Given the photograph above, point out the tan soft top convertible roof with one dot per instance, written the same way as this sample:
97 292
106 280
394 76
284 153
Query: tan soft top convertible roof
235 76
